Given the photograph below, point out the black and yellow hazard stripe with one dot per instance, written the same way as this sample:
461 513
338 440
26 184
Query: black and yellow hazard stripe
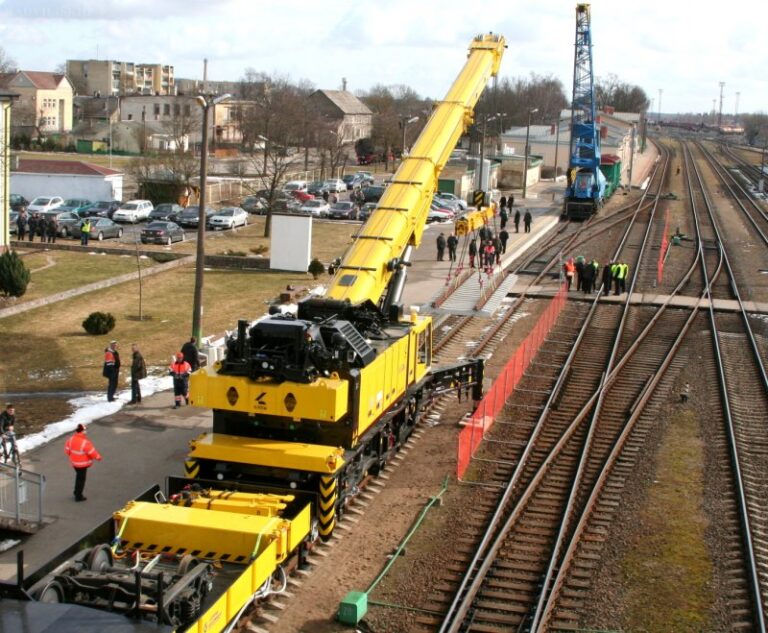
191 468
326 511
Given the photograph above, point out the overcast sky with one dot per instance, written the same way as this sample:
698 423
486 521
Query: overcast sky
683 48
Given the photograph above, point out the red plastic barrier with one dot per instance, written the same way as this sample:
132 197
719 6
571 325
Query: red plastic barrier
496 397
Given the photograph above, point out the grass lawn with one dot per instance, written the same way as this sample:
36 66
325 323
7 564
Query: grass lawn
57 271
47 349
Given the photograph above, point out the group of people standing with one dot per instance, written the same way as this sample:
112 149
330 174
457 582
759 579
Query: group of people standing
587 273
505 212
46 227
184 363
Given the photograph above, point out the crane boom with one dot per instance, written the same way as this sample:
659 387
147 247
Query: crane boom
400 216
585 187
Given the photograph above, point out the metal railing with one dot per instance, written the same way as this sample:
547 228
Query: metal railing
21 499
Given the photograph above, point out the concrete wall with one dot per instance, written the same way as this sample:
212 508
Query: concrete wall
67 186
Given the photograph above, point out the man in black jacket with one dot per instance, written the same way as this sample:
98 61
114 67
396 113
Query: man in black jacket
7 423
138 371
191 354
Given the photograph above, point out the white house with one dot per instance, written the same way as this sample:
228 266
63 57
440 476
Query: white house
66 178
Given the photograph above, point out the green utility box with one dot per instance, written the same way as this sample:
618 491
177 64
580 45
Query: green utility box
353 607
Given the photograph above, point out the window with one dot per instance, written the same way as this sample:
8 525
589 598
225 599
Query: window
187 110
157 109
130 117
167 109
176 109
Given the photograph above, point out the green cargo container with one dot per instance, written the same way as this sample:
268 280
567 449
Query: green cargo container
610 166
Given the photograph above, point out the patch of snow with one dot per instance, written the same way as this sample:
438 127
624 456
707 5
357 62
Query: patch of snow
8 543
89 408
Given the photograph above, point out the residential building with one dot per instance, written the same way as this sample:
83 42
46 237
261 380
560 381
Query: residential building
100 77
45 100
7 98
350 117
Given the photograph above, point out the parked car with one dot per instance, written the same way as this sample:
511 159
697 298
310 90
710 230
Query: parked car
373 193
443 195
75 205
366 210
442 203
295 185
101 228
66 221
302 196
162 232
366 177
17 202
316 188
229 218
316 208
191 216
133 211
353 181
343 211
439 214
12 217
166 211
255 204
101 208
45 203
335 185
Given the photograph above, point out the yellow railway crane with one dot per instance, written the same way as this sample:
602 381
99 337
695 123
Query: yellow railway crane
317 401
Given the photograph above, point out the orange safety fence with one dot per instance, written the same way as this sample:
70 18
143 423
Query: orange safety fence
663 251
496 397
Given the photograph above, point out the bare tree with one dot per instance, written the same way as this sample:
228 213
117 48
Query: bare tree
180 127
7 64
611 91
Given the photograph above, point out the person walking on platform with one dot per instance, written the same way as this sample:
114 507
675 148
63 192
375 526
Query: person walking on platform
510 202
452 242
503 237
517 220
111 370
440 247
81 452
138 371
472 252
587 278
527 221
502 203
623 276
503 217
607 277
497 250
490 256
570 272
180 371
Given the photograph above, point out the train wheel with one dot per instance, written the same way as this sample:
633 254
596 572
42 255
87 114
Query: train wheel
53 593
327 506
99 558
191 468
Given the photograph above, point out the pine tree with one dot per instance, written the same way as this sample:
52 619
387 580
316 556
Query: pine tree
14 274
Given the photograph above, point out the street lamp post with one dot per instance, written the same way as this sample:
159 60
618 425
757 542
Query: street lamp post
486 120
557 145
527 151
404 123
206 103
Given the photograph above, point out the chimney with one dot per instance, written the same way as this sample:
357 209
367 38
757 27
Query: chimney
205 76
603 132
344 84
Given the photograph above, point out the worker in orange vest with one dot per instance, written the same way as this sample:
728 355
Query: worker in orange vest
180 370
81 452
570 271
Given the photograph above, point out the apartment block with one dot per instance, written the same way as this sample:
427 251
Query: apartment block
111 78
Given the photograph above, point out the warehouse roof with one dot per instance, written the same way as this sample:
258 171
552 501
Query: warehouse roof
62 167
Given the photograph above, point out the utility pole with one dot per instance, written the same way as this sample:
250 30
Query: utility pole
527 151
720 113
557 145
736 112
661 91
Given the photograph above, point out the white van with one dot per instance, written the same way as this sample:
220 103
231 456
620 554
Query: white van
295 185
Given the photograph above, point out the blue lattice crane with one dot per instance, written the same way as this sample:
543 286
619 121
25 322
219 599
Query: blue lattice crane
585 189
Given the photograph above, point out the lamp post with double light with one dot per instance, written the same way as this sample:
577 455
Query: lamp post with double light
404 123
206 103
527 151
